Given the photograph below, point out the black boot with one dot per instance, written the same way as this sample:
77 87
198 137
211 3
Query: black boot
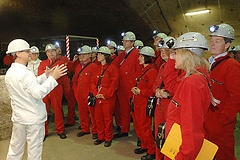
148 157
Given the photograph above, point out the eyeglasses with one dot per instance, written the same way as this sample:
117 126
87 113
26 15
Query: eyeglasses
27 51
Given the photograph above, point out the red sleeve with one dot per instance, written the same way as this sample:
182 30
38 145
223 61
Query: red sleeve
151 77
114 82
94 80
171 76
42 67
229 92
75 77
159 78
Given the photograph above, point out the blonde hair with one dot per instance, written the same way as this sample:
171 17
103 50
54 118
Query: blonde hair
191 61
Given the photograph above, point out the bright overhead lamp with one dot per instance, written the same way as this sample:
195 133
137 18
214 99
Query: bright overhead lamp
197 12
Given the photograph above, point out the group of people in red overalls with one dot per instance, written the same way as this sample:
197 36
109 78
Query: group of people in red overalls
202 96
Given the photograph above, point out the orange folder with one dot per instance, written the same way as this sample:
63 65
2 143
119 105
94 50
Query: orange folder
174 141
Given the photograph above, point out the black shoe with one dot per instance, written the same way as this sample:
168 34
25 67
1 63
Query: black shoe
80 134
76 118
140 150
107 143
68 125
139 142
118 129
62 135
94 136
98 141
45 138
148 157
120 134
79 128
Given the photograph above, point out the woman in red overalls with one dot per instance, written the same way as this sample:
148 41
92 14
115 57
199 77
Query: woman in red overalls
191 99
104 84
144 81
163 95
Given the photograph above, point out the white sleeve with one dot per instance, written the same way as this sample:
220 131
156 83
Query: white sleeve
41 78
37 90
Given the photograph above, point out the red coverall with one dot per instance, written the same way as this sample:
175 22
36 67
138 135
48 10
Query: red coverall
103 110
54 98
158 61
68 92
221 119
188 108
81 87
172 77
160 113
127 70
142 122
8 60
117 111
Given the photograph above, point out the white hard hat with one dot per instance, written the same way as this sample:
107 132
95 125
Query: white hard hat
148 51
111 43
193 41
120 48
222 30
104 49
138 43
95 49
17 45
85 50
160 35
129 36
49 47
34 49
167 42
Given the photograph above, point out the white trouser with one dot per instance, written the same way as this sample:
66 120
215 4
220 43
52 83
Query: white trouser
21 133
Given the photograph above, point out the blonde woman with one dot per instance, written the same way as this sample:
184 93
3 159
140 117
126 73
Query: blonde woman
191 99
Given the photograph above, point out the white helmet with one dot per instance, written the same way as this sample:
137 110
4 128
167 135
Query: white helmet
34 49
95 49
222 30
193 41
148 51
160 35
17 45
129 36
167 42
104 50
49 47
111 43
138 43
85 50
120 48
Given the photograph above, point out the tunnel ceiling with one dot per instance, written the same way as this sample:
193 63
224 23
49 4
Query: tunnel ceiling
33 19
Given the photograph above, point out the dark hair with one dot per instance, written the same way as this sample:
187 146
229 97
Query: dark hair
147 59
227 40
116 52
107 57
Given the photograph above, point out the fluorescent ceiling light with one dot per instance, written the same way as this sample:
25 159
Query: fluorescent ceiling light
197 12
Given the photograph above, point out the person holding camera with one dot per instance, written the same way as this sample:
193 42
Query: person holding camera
104 84
163 96
142 90
81 88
